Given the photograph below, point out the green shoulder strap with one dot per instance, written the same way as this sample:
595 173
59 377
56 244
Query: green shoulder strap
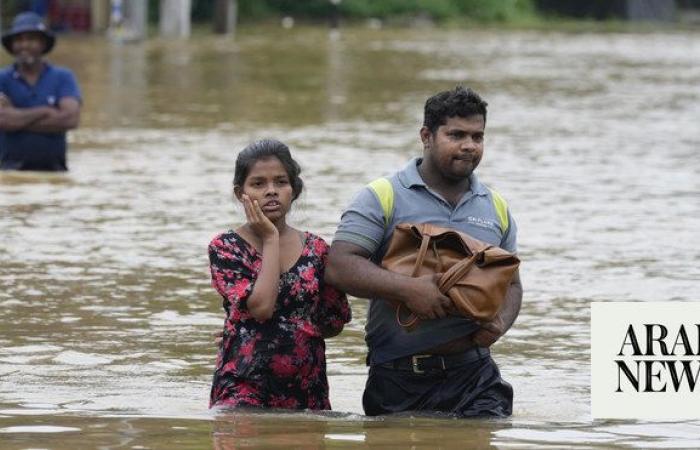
501 207
385 194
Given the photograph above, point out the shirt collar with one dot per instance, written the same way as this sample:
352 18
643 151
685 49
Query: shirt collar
17 75
410 177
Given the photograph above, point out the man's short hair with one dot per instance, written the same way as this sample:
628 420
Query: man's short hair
458 102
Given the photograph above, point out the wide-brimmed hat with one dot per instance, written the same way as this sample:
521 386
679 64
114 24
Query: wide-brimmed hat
28 22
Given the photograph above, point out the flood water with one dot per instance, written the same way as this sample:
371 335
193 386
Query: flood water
106 313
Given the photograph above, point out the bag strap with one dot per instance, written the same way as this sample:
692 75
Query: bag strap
412 318
384 191
437 258
456 272
422 251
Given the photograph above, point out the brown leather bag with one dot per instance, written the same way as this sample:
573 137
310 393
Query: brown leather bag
476 275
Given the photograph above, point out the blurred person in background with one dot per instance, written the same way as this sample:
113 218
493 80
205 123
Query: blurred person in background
39 102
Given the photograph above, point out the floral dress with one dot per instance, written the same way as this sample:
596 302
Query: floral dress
281 362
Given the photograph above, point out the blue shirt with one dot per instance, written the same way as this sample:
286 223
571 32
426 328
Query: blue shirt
363 224
26 150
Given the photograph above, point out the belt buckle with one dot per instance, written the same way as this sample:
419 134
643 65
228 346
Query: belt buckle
415 359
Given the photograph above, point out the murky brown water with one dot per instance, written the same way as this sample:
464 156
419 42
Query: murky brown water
106 312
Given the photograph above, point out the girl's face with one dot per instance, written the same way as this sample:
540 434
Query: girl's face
269 184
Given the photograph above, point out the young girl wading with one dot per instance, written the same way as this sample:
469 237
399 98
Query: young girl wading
278 309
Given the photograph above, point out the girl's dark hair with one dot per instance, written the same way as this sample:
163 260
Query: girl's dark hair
263 149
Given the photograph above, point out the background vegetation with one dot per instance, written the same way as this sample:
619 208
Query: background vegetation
516 12
438 10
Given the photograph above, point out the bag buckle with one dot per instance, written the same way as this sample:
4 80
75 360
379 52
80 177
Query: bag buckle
415 362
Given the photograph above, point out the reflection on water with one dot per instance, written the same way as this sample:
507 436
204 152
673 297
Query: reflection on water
341 431
106 313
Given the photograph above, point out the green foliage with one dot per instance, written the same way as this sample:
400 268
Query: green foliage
495 10
381 9
308 8
440 10
253 9
484 10
153 11
481 10
437 9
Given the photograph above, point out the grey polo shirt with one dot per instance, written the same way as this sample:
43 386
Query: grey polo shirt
363 224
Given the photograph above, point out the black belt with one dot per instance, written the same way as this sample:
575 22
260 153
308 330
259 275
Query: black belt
425 363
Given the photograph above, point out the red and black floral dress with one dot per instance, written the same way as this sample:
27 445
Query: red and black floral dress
281 362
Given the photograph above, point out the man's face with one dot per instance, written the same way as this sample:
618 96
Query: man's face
28 47
455 149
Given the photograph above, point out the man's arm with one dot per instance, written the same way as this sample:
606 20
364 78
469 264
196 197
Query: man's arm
63 118
15 119
491 331
350 270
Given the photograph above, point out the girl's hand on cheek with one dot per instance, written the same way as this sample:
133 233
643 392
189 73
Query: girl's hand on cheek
259 223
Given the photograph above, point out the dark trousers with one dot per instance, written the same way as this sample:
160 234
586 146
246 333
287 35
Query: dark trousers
470 390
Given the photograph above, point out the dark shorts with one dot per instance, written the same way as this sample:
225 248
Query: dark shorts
472 389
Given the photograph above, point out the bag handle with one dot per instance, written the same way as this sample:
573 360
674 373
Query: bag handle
412 318
456 272
422 251
437 257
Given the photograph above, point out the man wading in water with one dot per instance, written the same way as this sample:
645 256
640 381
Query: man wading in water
444 365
